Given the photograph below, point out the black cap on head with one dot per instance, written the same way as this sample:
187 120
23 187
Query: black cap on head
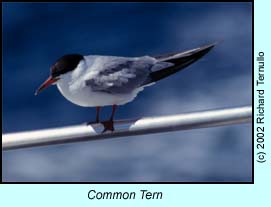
65 64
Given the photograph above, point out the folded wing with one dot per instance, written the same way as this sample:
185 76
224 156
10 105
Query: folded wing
120 74
123 75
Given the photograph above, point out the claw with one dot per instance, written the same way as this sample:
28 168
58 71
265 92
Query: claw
108 125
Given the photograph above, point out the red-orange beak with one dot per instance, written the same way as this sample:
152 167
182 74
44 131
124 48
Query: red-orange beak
46 84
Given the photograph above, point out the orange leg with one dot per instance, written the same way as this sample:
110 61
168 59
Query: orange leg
109 125
97 120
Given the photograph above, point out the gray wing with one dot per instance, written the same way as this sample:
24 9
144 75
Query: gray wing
119 74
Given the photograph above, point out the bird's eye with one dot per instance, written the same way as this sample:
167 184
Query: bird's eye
55 72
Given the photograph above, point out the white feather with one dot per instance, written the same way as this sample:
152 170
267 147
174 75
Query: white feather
73 87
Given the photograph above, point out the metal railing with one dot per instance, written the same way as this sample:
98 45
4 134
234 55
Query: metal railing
124 128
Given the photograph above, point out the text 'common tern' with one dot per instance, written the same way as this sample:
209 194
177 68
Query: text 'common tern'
97 81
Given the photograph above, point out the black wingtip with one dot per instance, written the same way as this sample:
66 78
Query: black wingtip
201 51
216 43
210 46
180 61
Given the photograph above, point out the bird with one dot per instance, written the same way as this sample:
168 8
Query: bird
98 81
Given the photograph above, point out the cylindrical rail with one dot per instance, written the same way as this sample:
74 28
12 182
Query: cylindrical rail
126 128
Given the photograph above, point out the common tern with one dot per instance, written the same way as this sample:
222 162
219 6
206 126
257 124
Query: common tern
97 81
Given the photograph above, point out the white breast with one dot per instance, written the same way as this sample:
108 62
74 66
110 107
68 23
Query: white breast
72 86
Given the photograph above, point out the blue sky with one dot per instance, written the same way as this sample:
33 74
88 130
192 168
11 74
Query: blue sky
35 35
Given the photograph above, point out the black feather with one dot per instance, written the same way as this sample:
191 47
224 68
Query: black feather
180 61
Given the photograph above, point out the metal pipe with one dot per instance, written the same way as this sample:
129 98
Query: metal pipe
126 128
